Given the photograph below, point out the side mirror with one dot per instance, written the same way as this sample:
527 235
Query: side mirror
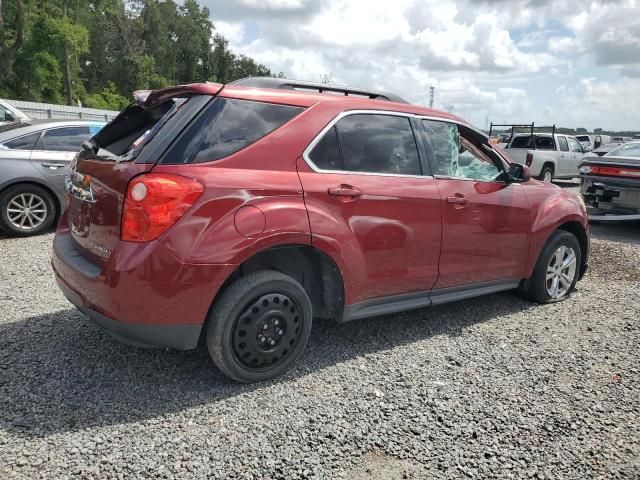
518 173
8 116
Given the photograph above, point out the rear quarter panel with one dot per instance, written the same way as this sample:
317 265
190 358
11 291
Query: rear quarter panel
220 229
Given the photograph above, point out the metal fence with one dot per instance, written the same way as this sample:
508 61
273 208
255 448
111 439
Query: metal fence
62 112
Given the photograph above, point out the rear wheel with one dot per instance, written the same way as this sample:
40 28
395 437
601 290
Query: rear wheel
26 210
557 270
259 326
546 174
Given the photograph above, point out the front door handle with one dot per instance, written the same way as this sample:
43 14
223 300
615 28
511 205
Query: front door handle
345 193
458 201
53 166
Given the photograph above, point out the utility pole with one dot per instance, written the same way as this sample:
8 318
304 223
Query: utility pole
432 91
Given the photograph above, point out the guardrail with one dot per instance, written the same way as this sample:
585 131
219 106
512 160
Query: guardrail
62 112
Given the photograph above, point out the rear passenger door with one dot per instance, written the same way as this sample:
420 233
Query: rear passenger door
372 204
54 151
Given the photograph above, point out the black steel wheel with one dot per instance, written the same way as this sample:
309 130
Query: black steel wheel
267 331
259 326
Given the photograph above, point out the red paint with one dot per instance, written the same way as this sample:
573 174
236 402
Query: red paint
249 221
386 234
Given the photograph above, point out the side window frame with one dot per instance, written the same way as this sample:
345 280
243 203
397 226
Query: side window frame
423 164
26 135
577 142
561 144
497 160
44 133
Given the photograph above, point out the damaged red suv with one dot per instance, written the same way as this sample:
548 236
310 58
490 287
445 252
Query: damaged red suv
243 212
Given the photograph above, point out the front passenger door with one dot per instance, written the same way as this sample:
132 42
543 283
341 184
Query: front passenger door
485 228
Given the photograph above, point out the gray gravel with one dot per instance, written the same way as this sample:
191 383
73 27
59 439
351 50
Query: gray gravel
486 388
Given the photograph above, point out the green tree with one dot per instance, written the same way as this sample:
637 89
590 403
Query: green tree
99 51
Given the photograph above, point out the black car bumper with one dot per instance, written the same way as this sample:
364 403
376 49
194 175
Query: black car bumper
611 196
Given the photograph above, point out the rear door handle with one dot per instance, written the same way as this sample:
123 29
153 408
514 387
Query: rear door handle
53 165
345 193
458 201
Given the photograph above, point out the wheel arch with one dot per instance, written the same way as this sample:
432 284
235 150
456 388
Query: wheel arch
542 233
314 269
577 230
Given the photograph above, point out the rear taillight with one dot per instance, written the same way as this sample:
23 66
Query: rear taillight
154 202
529 159
611 171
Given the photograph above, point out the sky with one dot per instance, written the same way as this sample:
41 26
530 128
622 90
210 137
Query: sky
569 63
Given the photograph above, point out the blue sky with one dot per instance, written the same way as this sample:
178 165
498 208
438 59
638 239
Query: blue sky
572 63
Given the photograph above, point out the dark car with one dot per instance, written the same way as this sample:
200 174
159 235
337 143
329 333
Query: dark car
603 150
242 212
34 158
611 184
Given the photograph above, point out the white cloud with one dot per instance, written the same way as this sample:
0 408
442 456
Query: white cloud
591 103
491 57
232 31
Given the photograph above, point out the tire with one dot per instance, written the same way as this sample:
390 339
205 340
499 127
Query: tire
540 288
36 201
546 174
254 311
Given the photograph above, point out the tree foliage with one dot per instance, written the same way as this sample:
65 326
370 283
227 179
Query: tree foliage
99 51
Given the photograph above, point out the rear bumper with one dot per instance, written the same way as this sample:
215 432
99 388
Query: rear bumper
142 295
180 337
611 198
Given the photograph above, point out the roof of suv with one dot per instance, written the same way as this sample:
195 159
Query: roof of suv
301 94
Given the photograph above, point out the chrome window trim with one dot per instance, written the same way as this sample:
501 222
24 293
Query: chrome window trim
346 113
19 137
331 124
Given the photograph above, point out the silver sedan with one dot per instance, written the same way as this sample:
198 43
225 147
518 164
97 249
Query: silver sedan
34 158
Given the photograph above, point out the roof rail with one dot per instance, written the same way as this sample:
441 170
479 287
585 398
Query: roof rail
287 84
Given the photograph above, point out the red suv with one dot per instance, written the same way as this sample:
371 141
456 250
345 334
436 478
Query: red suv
242 212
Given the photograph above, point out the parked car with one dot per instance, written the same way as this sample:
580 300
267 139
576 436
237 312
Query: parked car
611 184
11 114
592 142
548 156
242 212
35 158
621 139
603 150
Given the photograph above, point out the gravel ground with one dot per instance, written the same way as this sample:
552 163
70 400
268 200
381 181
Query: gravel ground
485 388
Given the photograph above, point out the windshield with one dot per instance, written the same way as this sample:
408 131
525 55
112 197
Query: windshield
626 150
583 138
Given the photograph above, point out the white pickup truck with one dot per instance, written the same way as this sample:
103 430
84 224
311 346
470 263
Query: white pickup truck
551 156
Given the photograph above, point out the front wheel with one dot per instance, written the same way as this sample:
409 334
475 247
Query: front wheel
557 270
259 326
